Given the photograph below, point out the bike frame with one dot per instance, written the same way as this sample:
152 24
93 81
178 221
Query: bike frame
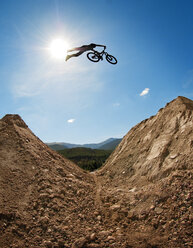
100 54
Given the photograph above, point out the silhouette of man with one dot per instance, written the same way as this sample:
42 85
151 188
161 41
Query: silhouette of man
82 49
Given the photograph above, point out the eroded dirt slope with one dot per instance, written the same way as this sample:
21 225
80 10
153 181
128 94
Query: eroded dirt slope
45 200
155 147
146 184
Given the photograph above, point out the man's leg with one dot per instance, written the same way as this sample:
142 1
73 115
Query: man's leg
74 49
74 55
82 48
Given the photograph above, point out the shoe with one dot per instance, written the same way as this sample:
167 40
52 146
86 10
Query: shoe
67 57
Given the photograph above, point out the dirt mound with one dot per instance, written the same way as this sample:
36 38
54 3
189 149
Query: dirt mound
45 200
155 147
146 184
141 198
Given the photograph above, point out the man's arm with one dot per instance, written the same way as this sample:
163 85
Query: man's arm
101 46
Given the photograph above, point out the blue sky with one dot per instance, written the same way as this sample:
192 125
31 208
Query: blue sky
82 102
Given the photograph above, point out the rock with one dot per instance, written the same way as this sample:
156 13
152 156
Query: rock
38 238
94 245
158 210
48 244
118 232
99 217
79 243
44 220
92 236
152 207
61 244
110 238
188 196
173 156
44 196
133 189
81 216
174 198
115 207
104 233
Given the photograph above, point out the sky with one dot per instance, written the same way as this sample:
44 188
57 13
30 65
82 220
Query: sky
79 101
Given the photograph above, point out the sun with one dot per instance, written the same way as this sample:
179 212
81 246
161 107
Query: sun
58 48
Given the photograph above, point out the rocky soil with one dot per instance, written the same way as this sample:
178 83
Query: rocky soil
141 197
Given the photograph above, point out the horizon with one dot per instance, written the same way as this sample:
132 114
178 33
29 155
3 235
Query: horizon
60 142
82 102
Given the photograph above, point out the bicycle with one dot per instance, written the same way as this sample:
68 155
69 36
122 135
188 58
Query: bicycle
96 56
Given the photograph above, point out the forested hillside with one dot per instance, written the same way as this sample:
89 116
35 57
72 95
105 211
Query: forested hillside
86 158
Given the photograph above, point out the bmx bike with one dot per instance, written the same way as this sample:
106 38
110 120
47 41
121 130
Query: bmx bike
97 56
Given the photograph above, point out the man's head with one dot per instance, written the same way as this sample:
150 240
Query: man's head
93 45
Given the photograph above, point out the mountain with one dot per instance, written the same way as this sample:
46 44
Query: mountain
108 144
104 143
111 145
57 146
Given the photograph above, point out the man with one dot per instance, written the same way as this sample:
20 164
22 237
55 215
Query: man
82 49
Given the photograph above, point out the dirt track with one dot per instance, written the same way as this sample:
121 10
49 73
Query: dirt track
98 201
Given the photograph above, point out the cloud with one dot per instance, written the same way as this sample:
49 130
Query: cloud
71 120
144 92
116 104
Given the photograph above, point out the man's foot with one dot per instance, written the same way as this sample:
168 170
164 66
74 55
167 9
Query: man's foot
67 57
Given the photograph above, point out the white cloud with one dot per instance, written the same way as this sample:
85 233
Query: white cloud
144 92
116 104
71 120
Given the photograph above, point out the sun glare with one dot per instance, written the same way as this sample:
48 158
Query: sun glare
58 48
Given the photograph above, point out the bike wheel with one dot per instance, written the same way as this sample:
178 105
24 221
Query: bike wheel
93 57
111 59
